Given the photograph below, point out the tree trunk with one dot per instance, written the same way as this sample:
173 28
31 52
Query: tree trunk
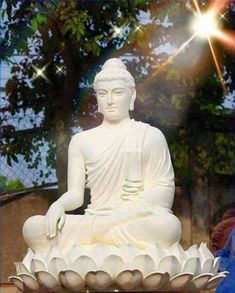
200 211
200 202
63 109
62 137
198 184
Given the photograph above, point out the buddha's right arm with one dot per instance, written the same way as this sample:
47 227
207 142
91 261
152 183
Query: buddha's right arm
74 197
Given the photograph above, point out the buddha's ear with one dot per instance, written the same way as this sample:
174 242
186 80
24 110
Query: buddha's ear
133 97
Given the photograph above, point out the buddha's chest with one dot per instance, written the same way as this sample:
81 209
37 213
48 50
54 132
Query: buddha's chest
97 145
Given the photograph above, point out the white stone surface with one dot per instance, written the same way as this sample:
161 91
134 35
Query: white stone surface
128 237
115 268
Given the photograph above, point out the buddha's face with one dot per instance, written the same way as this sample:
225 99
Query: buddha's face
115 99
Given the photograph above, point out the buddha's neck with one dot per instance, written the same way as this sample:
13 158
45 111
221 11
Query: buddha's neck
115 124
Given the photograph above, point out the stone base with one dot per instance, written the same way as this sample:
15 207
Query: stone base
10 288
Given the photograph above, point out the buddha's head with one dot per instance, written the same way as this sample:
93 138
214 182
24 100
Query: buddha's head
115 90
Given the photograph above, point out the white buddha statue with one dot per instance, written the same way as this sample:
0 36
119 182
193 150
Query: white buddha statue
128 238
127 167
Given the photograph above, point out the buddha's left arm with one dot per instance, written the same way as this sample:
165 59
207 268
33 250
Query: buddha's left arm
158 174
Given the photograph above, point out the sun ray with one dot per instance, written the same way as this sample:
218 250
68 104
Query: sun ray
226 37
217 66
195 3
172 57
217 5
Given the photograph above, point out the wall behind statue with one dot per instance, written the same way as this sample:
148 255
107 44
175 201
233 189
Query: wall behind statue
13 214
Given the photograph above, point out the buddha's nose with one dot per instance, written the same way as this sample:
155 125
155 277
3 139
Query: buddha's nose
109 100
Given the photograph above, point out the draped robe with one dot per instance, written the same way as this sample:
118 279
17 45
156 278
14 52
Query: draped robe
120 180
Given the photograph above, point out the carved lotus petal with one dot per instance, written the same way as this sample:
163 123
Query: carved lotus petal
98 280
83 264
180 281
126 267
177 251
28 258
99 253
192 265
113 265
21 268
74 252
156 280
216 265
71 280
169 264
192 252
155 252
204 253
30 281
54 252
18 282
200 281
47 280
127 253
207 266
129 279
144 263
214 281
37 265
56 265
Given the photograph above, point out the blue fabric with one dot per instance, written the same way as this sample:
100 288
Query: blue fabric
227 263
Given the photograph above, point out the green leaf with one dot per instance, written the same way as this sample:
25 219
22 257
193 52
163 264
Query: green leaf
34 24
95 49
41 18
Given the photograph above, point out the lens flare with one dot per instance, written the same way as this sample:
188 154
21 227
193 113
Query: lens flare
117 31
39 72
205 25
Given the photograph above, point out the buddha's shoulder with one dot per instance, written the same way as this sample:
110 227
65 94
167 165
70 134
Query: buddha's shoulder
84 136
154 136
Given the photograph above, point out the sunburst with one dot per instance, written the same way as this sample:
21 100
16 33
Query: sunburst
40 72
206 25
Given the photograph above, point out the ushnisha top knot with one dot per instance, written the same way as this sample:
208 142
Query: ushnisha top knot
114 63
114 69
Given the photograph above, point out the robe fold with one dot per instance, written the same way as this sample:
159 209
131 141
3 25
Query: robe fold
117 172
125 181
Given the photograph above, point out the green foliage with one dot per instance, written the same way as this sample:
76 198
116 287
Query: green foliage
10 185
37 21
184 99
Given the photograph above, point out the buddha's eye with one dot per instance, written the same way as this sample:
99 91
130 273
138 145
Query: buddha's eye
118 92
102 93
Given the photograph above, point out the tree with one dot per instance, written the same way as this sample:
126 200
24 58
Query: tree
55 34
81 35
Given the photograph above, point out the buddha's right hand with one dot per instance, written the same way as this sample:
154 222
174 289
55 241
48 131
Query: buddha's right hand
55 217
